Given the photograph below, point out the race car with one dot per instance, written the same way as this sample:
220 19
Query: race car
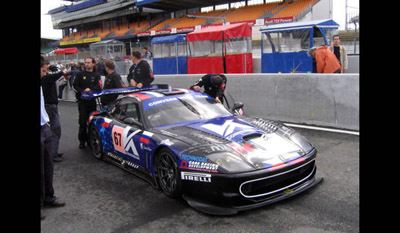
192 147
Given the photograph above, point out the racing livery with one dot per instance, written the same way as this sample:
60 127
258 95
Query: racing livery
190 146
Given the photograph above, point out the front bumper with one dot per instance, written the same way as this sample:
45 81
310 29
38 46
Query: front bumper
227 194
225 210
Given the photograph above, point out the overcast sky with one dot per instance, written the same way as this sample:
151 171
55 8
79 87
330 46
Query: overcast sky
47 31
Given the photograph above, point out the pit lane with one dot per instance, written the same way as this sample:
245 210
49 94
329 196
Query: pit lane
101 197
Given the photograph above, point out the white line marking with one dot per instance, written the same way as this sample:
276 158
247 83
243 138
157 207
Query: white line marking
323 129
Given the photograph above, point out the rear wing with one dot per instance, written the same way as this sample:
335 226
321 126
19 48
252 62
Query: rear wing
127 90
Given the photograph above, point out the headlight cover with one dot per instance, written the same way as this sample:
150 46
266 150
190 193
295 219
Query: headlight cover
302 142
295 137
230 163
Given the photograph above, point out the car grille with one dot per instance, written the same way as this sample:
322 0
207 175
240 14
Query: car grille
269 185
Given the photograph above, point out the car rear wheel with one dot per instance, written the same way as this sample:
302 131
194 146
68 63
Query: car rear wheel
95 142
168 174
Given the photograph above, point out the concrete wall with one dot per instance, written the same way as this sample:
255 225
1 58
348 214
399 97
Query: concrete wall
330 100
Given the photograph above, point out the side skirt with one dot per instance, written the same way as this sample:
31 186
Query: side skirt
130 167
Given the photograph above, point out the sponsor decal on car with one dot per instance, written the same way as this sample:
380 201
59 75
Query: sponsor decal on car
153 103
198 163
123 161
123 141
199 177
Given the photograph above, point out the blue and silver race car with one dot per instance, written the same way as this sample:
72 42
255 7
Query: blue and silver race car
190 146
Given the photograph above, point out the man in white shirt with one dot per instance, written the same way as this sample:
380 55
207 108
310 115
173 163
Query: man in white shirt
340 53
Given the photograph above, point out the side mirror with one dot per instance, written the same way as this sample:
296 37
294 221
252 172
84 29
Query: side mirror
131 121
237 108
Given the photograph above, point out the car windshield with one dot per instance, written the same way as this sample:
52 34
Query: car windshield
183 108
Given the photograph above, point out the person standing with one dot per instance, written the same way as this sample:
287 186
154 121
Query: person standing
326 61
131 69
147 54
86 81
72 72
112 80
48 83
47 152
340 52
100 67
142 75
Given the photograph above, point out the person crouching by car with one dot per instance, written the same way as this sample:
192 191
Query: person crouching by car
112 80
142 74
214 86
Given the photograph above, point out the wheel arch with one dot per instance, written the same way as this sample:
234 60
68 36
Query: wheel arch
157 152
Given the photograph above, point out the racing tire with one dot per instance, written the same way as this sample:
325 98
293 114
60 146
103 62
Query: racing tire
95 142
168 174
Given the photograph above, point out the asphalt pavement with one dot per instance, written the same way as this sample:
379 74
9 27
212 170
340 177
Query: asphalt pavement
101 197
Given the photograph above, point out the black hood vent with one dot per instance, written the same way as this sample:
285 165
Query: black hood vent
205 137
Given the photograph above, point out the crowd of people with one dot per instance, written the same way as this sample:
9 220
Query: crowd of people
84 78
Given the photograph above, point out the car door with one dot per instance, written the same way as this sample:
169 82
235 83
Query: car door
127 132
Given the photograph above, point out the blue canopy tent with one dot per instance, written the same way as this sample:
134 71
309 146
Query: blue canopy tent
284 46
170 54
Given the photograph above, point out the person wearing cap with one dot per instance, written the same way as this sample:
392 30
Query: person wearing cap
214 86
326 61
48 85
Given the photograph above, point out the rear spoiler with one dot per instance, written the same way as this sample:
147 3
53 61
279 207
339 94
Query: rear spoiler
127 90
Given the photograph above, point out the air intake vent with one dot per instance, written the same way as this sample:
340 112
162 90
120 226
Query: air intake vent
266 125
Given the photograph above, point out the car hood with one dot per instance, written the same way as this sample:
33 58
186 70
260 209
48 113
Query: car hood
252 143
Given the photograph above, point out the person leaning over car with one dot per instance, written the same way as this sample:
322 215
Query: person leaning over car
325 59
142 74
86 81
112 80
214 86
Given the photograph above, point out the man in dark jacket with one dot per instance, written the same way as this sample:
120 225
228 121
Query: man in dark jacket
48 83
86 81
214 86
142 74
112 80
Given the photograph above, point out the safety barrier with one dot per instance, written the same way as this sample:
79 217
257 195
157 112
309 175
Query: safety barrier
329 100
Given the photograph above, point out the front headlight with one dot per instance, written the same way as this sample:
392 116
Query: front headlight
302 142
228 162
295 137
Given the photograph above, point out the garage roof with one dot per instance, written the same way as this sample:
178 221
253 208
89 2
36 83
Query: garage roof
173 5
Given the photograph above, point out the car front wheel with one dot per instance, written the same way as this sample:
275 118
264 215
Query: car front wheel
168 174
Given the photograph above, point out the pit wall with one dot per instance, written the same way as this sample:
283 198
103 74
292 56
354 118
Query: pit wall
327 100
330 100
